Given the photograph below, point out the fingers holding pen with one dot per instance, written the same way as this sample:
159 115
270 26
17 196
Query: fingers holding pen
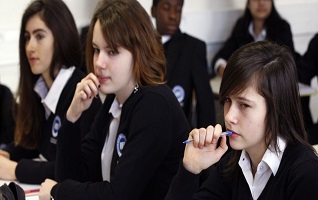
216 133
204 150
201 137
205 136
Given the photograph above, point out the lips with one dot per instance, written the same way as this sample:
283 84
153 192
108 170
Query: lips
172 28
234 133
103 79
33 59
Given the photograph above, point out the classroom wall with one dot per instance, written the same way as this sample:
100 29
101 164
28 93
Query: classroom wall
209 20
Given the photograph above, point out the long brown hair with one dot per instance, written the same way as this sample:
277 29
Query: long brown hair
126 24
60 21
272 70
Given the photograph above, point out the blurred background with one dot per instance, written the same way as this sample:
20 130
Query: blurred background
208 20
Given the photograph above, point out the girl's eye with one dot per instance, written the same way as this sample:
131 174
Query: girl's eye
112 52
39 37
96 51
27 37
244 105
227 100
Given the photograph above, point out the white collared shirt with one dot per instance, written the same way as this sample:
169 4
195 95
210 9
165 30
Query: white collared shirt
50 97
259 37
269 165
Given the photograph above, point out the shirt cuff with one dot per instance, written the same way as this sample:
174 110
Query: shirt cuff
218 63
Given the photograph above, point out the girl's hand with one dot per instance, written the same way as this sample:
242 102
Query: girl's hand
85 91
45 190
4 154
203 151
7 169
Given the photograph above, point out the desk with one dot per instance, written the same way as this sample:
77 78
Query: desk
27 188
304 90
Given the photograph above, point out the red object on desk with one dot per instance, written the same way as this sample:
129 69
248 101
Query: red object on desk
28 192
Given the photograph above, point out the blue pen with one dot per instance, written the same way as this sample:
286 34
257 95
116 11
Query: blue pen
226 133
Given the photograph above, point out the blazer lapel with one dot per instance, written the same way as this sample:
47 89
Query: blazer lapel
173 49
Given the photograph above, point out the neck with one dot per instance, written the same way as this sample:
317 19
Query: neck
47 78
258 26
123 95
256 157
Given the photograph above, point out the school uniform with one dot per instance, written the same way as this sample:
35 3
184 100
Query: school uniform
35 172
309 67
7 122
147 151
187 74
307 70
240 36
296 178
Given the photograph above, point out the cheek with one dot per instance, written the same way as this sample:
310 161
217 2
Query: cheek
47 53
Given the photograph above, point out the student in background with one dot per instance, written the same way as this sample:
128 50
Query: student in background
49 56
7 118
271 158
308 70
135 145
187 69
260 21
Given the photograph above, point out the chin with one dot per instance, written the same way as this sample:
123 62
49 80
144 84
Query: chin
106 90
235 146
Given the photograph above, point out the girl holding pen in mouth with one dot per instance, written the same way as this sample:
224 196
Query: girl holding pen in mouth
270 157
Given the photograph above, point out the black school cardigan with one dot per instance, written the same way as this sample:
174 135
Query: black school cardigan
34 172
146 154
296 179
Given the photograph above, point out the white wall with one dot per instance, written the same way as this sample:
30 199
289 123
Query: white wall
209 20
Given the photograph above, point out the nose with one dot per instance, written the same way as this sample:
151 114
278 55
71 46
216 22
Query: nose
172 13
30 45
262 1
100 60
231 114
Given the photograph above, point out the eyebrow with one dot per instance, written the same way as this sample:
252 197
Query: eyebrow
103 47
244 99
36 31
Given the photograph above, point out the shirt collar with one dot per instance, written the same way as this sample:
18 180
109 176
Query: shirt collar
260 37
165 38
51 96
271 158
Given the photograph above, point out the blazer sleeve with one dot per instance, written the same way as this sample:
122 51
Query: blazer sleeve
183 186
7 121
